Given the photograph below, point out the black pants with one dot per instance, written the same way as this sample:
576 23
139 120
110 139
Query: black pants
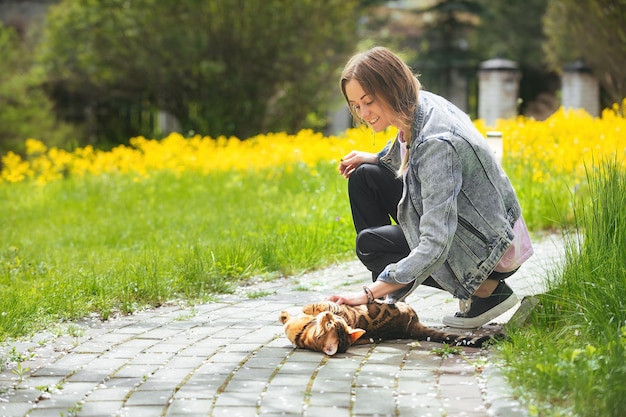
374 193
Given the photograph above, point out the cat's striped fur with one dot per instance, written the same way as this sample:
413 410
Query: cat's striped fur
331 328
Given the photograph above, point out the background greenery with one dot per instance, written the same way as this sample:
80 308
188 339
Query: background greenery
100 72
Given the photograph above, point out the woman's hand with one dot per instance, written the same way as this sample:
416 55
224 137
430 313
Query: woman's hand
349 299
375 290
351 161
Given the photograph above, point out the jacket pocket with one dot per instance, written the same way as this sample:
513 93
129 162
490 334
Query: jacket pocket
472 242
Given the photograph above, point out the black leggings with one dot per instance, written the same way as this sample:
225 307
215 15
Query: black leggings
378 247
374 193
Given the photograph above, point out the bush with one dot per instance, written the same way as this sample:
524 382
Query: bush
25 110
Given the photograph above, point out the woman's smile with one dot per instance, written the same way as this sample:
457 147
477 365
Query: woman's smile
366 107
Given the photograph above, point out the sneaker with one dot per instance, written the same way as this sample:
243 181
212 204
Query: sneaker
483 310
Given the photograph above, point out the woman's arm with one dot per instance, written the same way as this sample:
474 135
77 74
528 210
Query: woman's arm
376 290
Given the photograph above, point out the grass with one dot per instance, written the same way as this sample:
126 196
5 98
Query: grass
109 244
571 358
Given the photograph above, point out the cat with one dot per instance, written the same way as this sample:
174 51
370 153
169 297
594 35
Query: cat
332 328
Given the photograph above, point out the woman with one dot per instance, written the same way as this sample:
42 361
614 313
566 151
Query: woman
458 210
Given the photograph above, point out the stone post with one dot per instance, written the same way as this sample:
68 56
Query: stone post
580 89
498 90
494 140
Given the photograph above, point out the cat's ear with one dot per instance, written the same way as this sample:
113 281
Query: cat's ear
355 334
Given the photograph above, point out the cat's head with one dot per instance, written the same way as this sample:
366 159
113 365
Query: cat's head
326 332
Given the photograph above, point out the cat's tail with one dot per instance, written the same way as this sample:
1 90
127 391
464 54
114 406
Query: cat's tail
470 340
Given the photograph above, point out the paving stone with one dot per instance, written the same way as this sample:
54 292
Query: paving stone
190 407
100 408
107 394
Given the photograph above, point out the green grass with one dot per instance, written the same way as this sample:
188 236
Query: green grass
110 244
571 358
546 203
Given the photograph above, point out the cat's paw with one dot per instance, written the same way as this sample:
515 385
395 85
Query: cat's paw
314 309
284 317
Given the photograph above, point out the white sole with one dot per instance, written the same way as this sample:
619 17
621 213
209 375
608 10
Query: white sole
486 317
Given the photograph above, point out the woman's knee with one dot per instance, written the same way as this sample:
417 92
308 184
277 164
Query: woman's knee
364 241
384 239
358 179
370 175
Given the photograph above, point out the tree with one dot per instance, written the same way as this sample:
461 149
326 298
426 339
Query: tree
221 67
594 31
444 52
25 111
514 30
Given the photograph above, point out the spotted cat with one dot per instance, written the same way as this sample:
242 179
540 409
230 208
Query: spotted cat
332 328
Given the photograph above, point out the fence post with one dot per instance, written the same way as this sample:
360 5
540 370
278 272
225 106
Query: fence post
580 89
498 90
494 139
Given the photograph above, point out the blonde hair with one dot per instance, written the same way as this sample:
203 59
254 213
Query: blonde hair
385 77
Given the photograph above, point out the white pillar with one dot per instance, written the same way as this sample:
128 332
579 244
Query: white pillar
494 139
580 89
498 90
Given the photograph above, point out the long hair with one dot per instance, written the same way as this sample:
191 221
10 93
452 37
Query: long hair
386 78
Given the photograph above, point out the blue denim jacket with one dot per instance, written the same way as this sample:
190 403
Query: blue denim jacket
458 206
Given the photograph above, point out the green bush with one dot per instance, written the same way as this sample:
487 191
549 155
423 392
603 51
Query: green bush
25 110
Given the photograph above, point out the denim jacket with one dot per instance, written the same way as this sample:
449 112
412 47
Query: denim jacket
458 206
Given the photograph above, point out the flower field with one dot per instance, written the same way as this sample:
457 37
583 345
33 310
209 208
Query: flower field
546 160
178 154
562 144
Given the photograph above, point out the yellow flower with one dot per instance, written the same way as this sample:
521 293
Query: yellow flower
35 147
14 169
564 143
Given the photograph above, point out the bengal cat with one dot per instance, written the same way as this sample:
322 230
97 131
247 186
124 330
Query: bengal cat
332 328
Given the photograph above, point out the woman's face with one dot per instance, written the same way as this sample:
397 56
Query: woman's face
368 109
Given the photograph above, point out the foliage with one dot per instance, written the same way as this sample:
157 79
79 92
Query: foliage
571 359
513 30
444 47
221 67
593 30
503 31
178 154
546 159
25 111
446 40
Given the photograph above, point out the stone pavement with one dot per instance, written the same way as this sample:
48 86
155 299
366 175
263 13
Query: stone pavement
231 358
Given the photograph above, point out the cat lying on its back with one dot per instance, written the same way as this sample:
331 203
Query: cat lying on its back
331 328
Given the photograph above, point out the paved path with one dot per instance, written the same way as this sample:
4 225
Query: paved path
231 358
